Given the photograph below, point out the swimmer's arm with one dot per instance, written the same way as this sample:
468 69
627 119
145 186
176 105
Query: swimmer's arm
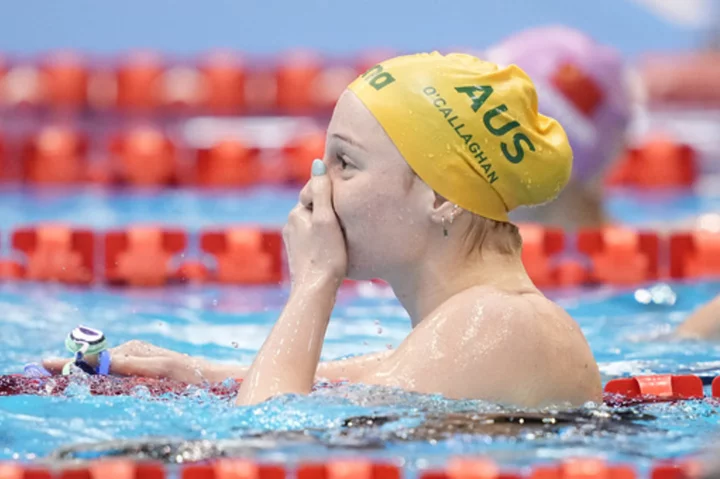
137 358
703 323
349 369
288 360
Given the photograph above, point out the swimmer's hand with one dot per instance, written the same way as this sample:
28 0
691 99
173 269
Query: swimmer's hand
137 358
313 238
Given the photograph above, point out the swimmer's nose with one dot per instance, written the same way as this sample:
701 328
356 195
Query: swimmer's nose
306 196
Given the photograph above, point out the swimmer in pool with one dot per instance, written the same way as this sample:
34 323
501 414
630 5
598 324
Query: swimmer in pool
425 157
586 87
703 323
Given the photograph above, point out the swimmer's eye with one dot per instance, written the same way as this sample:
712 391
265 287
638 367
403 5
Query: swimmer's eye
341 160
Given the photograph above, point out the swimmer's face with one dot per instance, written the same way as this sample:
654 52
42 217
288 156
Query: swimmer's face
383 208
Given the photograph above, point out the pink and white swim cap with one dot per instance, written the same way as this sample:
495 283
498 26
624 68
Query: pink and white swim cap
580 83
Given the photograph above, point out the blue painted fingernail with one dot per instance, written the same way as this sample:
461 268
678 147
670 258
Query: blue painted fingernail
318 168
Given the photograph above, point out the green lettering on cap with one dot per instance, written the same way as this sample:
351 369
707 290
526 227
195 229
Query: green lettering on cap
490 114
479 95
472 92
519 154
377 77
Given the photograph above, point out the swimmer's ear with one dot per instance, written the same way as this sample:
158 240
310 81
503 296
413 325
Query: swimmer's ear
443 211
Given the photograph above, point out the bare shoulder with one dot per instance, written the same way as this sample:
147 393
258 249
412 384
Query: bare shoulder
535 339
512 348
515 310
536 323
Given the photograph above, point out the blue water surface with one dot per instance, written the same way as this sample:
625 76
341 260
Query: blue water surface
228 324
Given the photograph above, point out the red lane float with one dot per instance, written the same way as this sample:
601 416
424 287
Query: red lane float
245 255
296 77
223 80
56 253
227 163
540 244
137 81
347 469
586 468
142 256
457 468
144 156
248 255
469 468
18 384
113 468
654 388
6 172
659 163
695 255
55 155
233 469
679 469
64 81
715 387
20 471
300 153
618 392
620 256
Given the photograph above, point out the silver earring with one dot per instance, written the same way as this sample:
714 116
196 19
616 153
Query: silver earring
445 231
453 213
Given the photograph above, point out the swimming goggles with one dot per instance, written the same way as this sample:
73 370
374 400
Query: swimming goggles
82 341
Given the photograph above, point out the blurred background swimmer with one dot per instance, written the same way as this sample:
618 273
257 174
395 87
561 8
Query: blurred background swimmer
587 87
704 323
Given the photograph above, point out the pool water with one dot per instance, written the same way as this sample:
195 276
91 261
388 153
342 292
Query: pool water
626 332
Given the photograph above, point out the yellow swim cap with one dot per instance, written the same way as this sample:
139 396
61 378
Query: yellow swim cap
470 129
